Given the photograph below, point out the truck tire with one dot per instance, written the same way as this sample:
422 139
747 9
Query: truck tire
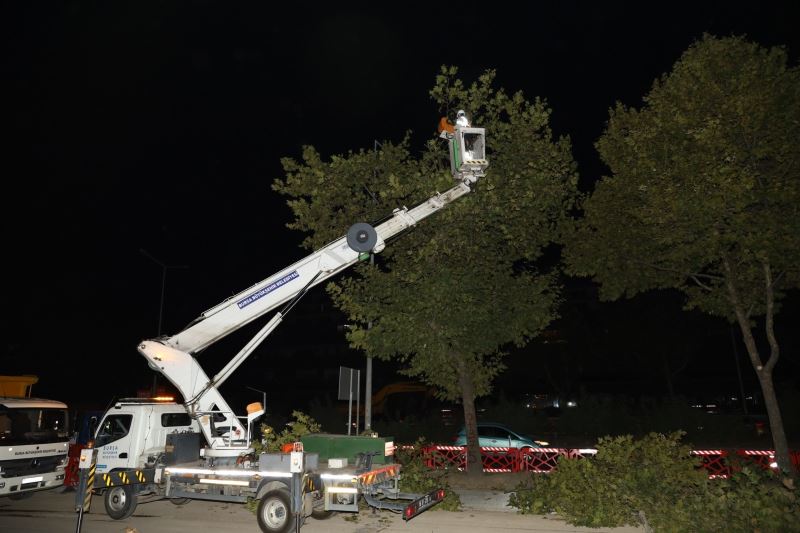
179 501
321 514
318 511
120 502
275 512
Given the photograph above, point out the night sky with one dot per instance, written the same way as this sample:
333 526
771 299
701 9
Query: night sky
159 126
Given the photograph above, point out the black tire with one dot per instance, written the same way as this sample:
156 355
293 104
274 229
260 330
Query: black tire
321 514
318 511
274 512
179 501
120 502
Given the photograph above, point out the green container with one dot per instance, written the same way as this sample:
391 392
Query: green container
348 446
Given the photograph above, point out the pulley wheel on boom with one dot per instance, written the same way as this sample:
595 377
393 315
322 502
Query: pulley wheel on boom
362 237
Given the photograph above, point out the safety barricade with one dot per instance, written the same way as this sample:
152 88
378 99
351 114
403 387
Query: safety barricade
541 460
714 462
580 453
443 457
766 458
544 460
763 458
494 458
499 459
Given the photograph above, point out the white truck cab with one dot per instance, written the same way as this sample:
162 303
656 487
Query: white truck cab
133 433
34 441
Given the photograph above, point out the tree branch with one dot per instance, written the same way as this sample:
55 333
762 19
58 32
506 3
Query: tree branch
700 283
777 279
695 276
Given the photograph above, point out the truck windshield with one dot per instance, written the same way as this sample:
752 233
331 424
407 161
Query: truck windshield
32 426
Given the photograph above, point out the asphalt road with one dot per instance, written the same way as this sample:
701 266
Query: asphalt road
53 512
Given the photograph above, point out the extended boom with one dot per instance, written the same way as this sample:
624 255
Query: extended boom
173 356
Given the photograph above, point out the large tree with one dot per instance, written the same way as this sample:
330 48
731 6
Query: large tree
704 194
449 297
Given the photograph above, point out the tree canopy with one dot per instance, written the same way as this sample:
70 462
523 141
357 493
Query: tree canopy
450 296
463 281
707 169
704 194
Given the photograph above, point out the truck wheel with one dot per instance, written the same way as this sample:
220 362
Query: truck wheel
321 514
275 512
318 511
120 502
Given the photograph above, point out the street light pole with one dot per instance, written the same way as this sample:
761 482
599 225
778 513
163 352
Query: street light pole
164 268
368 379
368 385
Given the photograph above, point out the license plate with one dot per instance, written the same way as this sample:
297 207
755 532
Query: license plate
424 502
32 480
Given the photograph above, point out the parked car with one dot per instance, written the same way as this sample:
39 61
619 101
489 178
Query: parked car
494 434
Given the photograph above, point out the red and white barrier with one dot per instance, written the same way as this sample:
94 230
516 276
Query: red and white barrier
544 460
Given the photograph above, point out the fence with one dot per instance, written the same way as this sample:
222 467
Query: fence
718 463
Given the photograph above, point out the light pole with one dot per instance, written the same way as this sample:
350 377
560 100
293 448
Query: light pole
164 268
368 385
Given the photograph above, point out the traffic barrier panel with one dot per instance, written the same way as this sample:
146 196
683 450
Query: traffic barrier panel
443 457
763 458
541 460
500 459
714 462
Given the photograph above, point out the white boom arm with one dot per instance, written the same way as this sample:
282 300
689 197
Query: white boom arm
172 356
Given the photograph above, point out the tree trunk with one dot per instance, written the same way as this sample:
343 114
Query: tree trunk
474 461
763 371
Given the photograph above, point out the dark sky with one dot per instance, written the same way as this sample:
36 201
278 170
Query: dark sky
160 126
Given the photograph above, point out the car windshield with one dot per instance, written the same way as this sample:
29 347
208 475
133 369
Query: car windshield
32 426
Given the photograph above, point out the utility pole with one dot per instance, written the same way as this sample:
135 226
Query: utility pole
368 378
164 268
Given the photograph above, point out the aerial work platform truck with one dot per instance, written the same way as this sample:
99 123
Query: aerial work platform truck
201 450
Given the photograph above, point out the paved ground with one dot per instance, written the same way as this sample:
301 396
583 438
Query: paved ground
52 512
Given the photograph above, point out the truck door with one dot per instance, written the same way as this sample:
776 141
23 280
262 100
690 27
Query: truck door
113 441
